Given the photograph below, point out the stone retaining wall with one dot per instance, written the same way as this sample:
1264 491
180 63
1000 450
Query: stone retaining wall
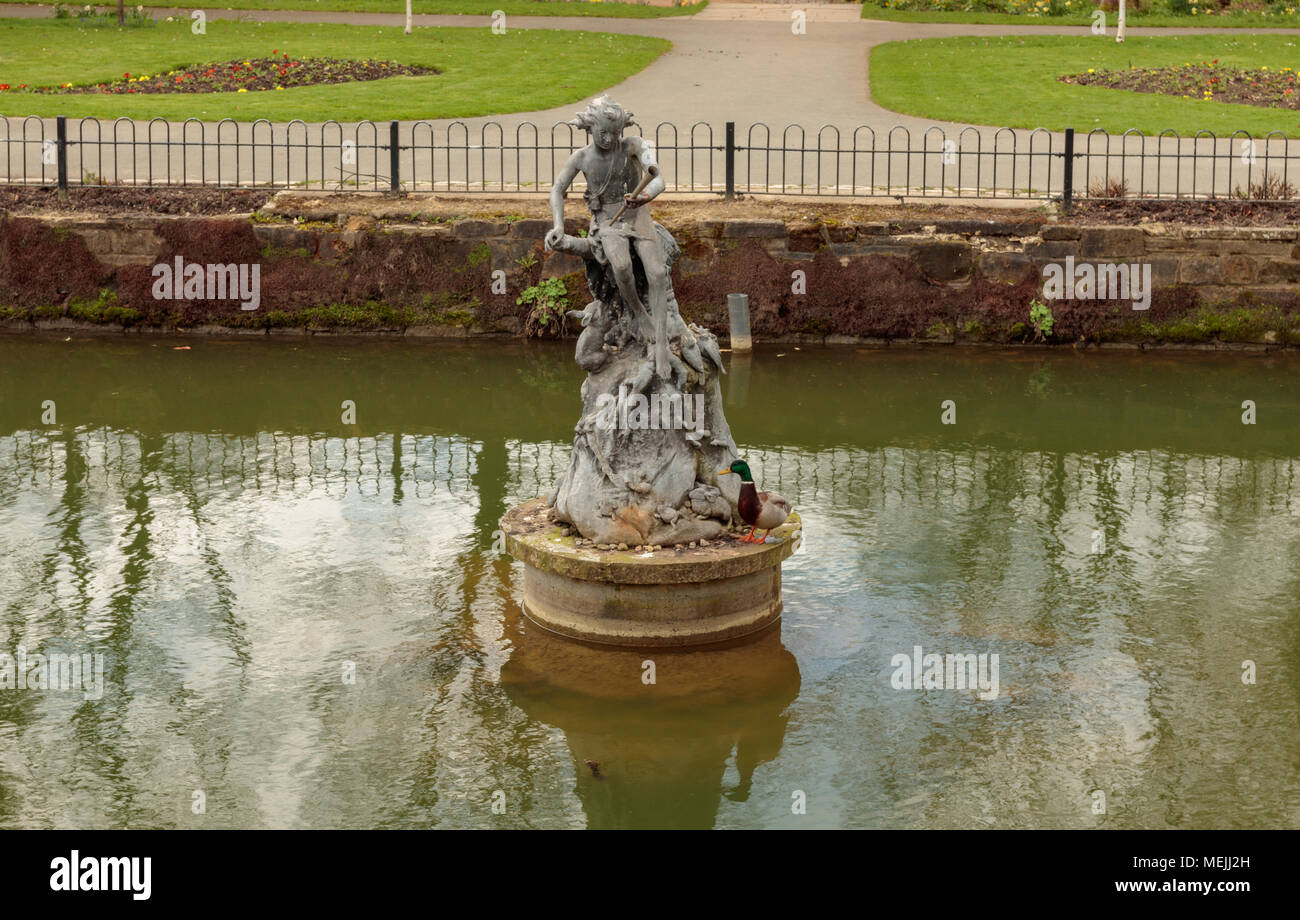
905 280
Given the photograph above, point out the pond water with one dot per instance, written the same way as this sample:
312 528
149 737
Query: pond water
306 624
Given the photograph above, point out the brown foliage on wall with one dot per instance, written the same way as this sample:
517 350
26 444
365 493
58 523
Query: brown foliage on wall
200 242
401 269
871 296
37 262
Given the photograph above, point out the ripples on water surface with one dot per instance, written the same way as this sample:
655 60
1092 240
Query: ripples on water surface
204 520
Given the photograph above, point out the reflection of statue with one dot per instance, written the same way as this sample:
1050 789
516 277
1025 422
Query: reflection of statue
660 751
652 433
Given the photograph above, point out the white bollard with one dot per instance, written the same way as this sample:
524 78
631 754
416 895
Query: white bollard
738 313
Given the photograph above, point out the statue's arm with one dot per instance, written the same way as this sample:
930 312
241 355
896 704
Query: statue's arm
567 174
644 151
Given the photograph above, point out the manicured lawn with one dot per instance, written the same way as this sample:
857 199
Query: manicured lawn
606 8
482 73
1234 20
1011 81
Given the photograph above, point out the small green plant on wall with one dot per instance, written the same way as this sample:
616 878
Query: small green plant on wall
1040 315
549 300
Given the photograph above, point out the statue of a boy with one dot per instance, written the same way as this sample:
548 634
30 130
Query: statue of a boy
620 223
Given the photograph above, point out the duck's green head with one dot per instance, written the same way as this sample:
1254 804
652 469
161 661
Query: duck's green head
741 469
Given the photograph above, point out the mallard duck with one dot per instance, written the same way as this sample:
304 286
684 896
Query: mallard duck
760 510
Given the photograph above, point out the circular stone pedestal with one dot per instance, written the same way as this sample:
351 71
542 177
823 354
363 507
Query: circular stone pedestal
675 596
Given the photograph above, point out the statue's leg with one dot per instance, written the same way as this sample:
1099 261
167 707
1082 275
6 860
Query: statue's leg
620 263
656 272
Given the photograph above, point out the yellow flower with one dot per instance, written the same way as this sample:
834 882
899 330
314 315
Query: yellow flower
1090 70
241 90
278 87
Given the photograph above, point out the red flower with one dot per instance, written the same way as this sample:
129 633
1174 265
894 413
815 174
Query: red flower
4 86
126 76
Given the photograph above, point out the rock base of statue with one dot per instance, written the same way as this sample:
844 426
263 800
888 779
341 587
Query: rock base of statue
722 591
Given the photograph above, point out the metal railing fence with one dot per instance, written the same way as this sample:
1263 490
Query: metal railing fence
861 162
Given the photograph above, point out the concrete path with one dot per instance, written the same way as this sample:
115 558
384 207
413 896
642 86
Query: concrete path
738 62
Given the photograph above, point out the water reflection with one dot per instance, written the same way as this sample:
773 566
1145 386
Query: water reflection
660 750
1108 527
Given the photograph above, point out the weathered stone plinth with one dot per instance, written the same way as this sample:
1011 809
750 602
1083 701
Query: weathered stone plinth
673 597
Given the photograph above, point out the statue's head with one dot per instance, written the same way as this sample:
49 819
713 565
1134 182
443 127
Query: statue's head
605 119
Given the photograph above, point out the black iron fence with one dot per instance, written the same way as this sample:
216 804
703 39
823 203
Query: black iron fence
488 157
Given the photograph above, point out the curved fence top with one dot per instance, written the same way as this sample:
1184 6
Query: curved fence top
489 156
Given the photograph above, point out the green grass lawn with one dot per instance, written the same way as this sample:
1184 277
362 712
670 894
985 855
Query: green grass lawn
483 73
1155 19
607 8
1011 81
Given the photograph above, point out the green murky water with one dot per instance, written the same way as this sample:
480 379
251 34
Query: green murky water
202 518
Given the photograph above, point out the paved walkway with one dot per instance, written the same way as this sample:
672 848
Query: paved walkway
736 62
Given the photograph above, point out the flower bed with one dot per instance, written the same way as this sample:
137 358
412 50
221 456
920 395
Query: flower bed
1162 11
279 71
1274 88
1022 7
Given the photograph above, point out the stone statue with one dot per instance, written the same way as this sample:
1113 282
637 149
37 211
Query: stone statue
614 167
652 433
